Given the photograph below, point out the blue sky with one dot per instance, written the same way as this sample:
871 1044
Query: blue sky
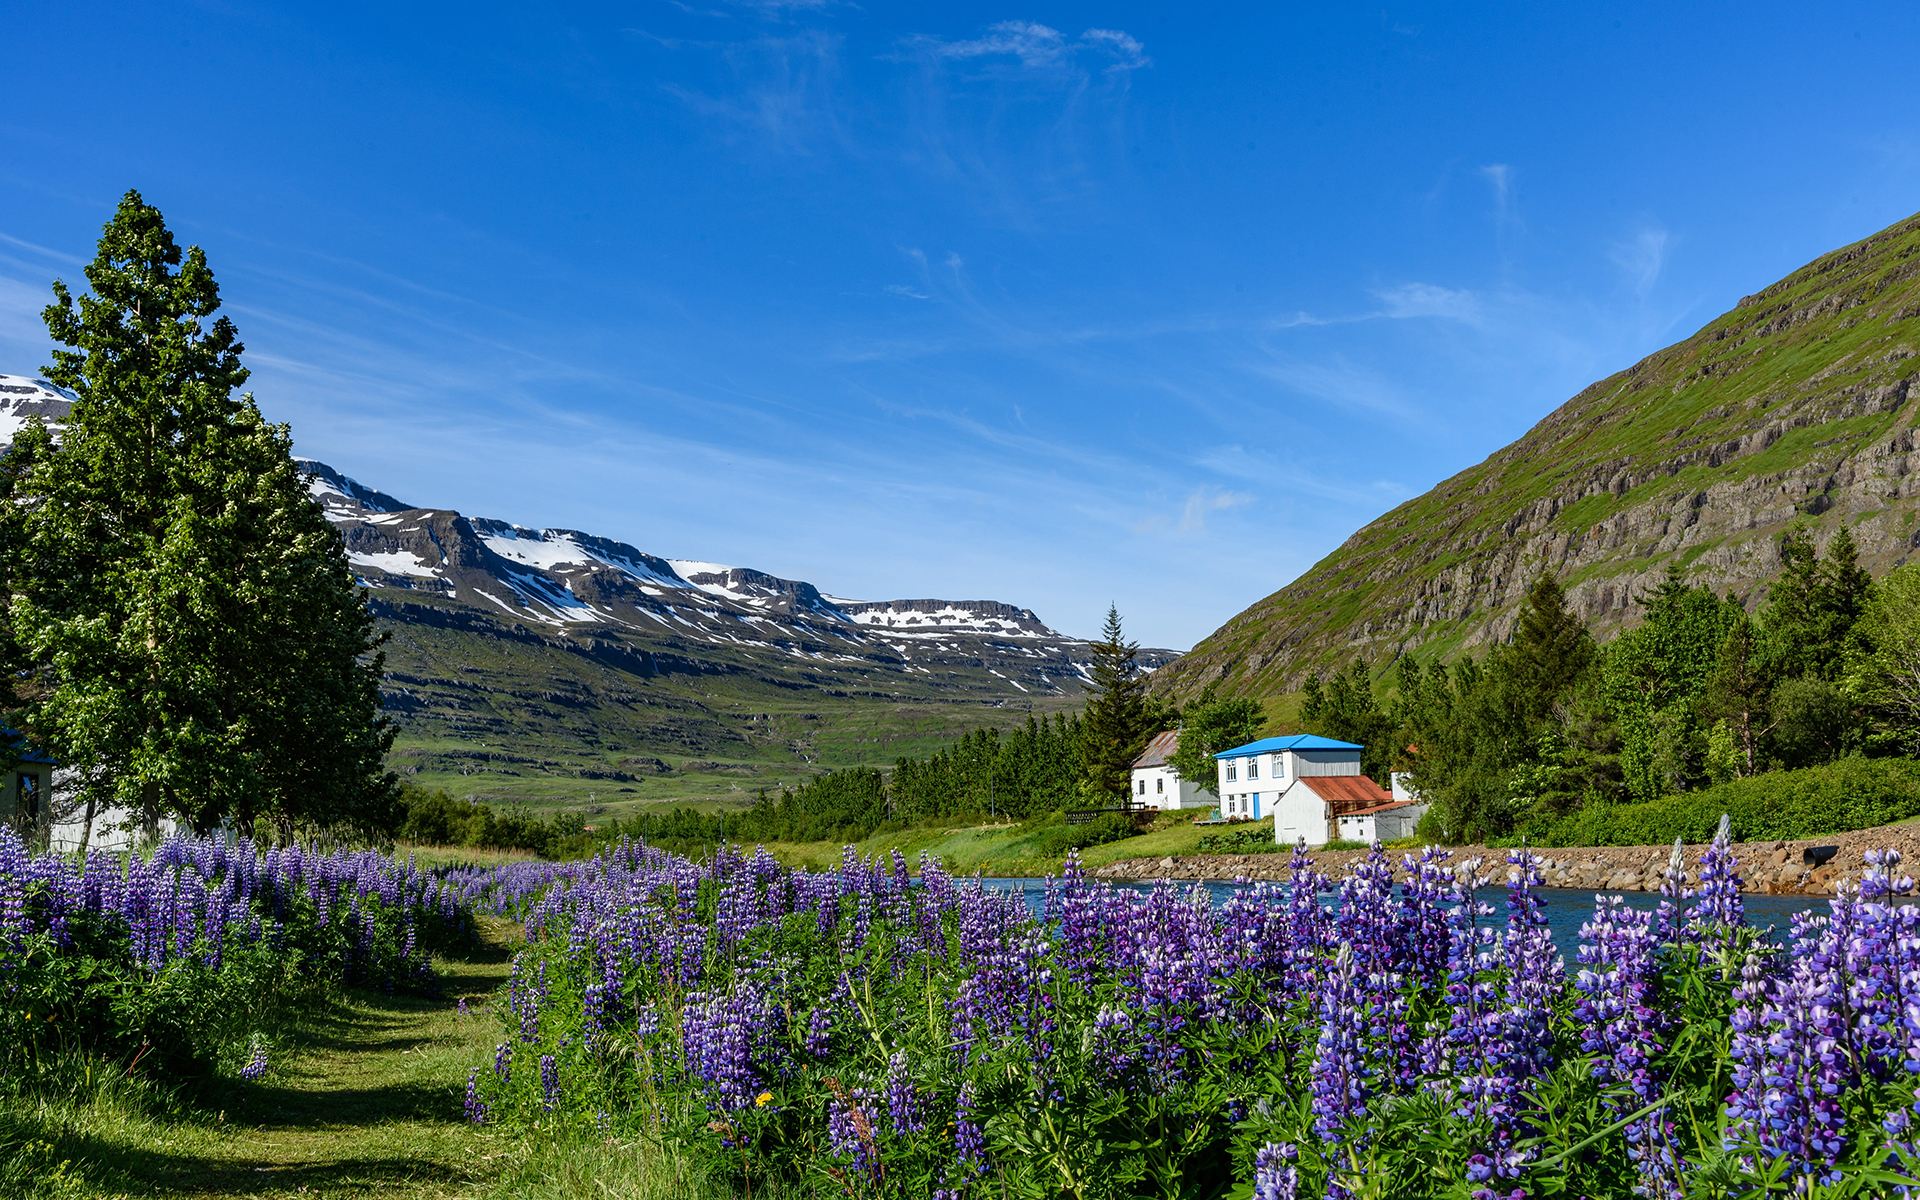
1059 304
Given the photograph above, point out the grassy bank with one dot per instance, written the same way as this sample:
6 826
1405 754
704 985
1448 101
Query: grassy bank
370 1102
1008 849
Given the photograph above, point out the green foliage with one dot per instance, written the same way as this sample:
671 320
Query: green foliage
840 806
1120 715
1256 839
1344 708
1853 793
198 646
1209 725
1055 840
1884 674
1035 768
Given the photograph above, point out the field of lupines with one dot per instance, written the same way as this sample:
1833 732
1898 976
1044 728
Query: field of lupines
868 1034
184 959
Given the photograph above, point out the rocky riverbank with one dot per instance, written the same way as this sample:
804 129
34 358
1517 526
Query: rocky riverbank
1774 868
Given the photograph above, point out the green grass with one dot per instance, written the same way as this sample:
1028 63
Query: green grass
1006 851
368 1104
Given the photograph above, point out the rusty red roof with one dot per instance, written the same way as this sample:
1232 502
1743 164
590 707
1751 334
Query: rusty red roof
1159 749
1347 795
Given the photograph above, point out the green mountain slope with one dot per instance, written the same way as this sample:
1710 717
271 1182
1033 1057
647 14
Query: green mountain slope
1796 406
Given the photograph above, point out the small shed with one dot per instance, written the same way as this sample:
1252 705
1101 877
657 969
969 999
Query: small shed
26 796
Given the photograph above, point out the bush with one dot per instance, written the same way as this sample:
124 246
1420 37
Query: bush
1852 793
1255 839
1055 840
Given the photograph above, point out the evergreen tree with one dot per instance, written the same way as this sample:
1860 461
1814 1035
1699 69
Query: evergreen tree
196 638
1813 606
1551 648
1119 716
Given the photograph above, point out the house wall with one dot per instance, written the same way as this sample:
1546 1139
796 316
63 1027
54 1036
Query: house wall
1159 787
1299 812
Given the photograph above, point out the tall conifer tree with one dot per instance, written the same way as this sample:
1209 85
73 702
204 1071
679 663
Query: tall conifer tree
198 642
1120 716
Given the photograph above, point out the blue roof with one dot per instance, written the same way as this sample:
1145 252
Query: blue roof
1299 741
14 746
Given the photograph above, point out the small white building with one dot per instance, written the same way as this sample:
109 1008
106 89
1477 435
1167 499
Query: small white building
1312 788
1253 777
1155 785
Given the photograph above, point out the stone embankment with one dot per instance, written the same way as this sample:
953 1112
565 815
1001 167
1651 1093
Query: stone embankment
1774 867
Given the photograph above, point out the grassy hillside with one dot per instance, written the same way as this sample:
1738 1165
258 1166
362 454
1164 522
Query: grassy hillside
1795 406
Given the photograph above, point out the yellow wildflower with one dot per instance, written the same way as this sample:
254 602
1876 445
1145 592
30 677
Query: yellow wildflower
760 1101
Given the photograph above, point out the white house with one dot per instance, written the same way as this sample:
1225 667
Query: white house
1154 783
1313 788
1252 777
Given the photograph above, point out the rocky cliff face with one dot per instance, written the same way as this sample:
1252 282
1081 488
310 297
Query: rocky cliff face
1797 406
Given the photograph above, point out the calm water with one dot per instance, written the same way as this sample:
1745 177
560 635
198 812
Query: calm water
1566 908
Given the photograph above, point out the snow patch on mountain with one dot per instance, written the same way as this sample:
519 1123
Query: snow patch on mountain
396 562
23 398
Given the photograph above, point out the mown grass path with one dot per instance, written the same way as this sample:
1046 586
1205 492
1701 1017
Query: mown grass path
366 1102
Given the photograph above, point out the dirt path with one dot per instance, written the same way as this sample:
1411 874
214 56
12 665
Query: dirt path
368 1104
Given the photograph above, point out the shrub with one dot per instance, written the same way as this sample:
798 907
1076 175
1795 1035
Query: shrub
1852 793
1055 840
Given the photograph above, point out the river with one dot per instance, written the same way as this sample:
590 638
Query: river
1566 908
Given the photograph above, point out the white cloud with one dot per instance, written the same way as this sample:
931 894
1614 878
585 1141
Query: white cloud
1193 515
902 290
1037 45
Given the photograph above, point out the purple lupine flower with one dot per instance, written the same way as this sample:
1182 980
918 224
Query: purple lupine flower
257 1064
1274 1175
503 1062
903 1102
549 1082
1622 1027
1718 912
476 1108
850 1133
969 1140
1340 1068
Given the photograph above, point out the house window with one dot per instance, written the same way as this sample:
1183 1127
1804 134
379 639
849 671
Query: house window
1230 770
1160 785
1279 766
1143 787
1253 768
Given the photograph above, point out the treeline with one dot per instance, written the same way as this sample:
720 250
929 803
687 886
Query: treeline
1700 693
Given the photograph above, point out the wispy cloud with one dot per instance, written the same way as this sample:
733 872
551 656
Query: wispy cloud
1641 258
1193 514
1037 46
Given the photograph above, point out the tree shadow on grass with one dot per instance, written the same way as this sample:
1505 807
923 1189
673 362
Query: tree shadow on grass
41 1151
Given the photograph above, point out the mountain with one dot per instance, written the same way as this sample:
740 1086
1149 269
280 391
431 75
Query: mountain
1797 406
557 665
